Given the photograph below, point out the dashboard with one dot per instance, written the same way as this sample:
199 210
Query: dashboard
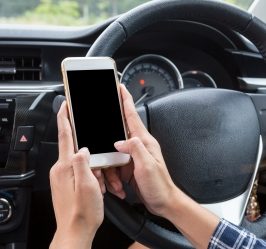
185 55
166 57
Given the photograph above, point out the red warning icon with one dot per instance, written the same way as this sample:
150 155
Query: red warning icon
23 139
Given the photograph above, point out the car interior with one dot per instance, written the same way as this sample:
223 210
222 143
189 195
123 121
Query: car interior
197 72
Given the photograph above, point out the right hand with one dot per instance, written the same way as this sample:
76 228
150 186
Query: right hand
147 171
154 184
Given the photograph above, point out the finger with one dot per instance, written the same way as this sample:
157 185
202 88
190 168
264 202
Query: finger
61 175
113 178
127 172
137 150
97 172
102 184
65 138
123 146
81 168
100 177
120 194
135 125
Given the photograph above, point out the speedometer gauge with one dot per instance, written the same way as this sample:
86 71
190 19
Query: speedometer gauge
149 76
147 80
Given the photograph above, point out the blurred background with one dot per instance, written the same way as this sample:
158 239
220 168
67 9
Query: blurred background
70 12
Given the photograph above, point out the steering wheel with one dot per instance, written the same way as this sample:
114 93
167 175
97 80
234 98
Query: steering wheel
210 138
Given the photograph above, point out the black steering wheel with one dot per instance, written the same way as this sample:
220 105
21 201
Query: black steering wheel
210 138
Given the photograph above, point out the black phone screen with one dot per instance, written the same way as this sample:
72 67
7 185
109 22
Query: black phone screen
96 109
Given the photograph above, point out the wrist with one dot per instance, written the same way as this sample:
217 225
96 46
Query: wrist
70 240
175 205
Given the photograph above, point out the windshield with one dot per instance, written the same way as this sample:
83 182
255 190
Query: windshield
70 12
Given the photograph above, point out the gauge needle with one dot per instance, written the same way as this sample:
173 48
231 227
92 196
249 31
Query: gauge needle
147 91
141 98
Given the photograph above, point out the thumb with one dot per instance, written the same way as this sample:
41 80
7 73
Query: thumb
136 149
81 168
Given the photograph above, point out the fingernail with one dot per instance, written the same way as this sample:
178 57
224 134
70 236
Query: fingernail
122 195
119 143
85 150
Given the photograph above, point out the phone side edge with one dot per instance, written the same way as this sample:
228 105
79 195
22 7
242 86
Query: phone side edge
69 106
112 159
121 105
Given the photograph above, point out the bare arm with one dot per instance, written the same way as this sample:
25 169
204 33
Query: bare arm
154 184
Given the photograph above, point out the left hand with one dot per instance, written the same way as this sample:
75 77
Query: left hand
76 192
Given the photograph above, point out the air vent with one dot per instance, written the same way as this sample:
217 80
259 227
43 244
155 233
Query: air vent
26 68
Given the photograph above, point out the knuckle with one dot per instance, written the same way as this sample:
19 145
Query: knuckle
150 167
80 158
150 141
52 173
154 141
134 141
55 170
59 166
134 144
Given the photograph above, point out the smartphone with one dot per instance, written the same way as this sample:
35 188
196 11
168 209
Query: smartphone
95 108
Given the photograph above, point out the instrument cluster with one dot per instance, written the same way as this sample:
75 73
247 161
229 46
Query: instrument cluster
151 75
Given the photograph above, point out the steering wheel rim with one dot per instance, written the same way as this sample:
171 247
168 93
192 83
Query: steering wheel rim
133 224
204 11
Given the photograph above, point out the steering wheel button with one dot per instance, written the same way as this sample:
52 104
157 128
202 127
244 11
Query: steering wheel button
24 138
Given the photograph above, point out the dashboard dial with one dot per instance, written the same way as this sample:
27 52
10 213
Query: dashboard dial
149 76
195 78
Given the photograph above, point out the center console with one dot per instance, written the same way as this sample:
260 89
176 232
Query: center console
25 117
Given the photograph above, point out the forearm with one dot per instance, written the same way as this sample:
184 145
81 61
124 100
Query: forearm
69 245
194 221
71 241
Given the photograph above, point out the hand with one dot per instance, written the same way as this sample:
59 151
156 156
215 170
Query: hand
147 171
76 193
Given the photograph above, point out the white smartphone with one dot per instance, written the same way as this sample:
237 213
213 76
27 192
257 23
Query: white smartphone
95 108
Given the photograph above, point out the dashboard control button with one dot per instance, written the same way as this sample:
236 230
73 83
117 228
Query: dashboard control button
5 120
24 138
4 106
5 210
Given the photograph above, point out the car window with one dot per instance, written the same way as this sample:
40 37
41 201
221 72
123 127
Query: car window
70 12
